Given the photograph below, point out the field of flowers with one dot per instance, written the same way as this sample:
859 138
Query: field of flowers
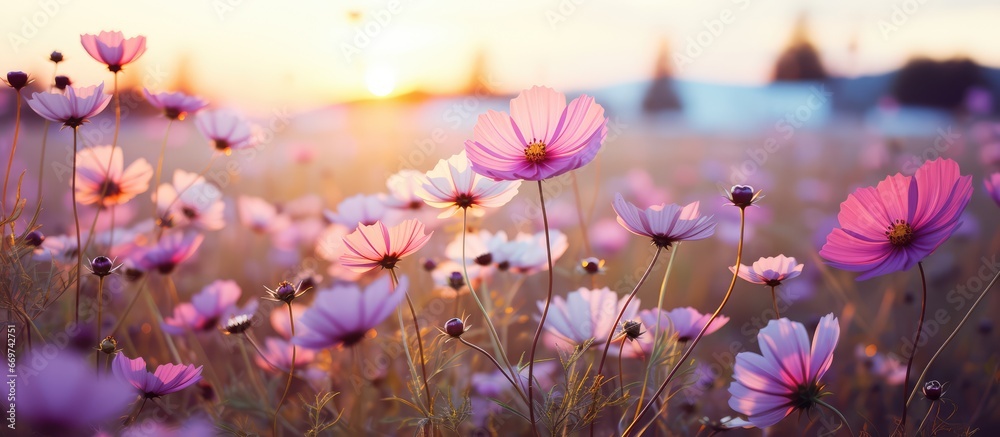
482 265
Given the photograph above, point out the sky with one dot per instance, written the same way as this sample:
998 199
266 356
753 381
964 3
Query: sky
257 52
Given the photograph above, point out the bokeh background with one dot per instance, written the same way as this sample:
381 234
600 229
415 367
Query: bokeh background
806 100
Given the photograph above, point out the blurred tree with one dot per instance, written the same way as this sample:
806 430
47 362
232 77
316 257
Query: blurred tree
936 84
661 95
800 60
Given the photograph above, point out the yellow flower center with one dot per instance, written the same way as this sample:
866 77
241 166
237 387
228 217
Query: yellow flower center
900 233
535 152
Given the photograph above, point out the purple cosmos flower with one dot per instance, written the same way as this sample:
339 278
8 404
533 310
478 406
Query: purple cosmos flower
360 209
259 215
71 108
168 378
664 224
585 315
993 187
895 225
175 106
342 315
277 352
787 376
190 201
769 271
101 176
215 303
170 251
113 49
685 322
541 138
226 130
525 254
64 397
453 186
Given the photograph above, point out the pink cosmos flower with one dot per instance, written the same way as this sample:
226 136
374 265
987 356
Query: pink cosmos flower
585 315
886 368
100 177
71 108
113 49
895 225
770 271
343 314
453 186
168 378
541 138
379 246
277 352
214 304
175 106
403 188
259 215
173 249
330 246
226 130
360 209
190 201
684 322
64 397
769 387
993 186
525 254
664 224
480 248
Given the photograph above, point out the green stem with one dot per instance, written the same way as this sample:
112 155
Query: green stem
774 298
13 147
100 298
291 371
837 412
683 358
923 374
545 313
916 341
79 244
656 332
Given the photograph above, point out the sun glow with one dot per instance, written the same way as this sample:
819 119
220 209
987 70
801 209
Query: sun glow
380 82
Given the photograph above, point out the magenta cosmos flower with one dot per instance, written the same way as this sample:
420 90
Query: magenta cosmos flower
380 246
175 106
113 49
259 215
64 397
226 130
71 108
168 378
683 323
343 314
358 210
770 271
895 225
541 138
664 224
276 356
173 249
786 377
993 187
585 315
101 177
453 186
215 303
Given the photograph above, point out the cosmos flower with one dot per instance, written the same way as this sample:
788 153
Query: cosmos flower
885 368
453 186
173 249
786 378
342 315
259 215
664 224
330 246
770 271
993 186
526 254
193 427
113 49
895 225
277 352
541 138
190 201
684 322
73 107
226 129
58 249
585 315
403 188
168 378
480 248
379 246
64 397
360 209
215 303
175 106
100 177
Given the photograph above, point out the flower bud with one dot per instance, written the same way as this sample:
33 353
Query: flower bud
62 82
56 57
632 329
454 327
238 324
109 345
102 266
743 195
34 238
456 281
933 390
17 79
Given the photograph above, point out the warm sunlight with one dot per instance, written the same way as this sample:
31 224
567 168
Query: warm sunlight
380 81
